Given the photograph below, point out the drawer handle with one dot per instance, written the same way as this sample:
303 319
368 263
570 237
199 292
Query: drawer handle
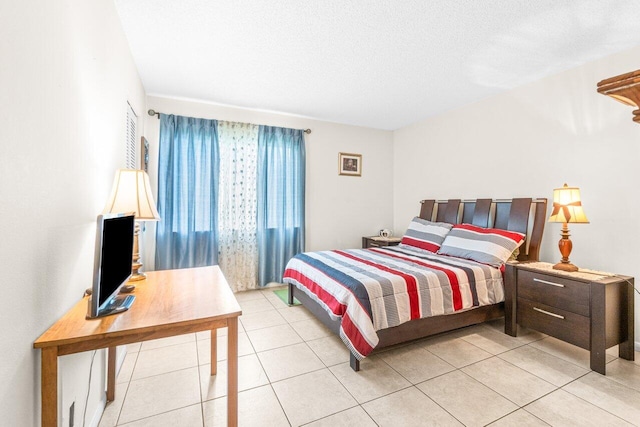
373 245
548 283
548 313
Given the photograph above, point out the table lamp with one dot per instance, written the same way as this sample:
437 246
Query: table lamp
567 207
131 192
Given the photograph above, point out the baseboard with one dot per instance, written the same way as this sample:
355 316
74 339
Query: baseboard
102 404
97 415
272 285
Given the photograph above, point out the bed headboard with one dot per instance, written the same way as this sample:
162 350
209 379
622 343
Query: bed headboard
525 215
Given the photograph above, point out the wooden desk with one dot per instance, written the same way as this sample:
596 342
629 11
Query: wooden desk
168 303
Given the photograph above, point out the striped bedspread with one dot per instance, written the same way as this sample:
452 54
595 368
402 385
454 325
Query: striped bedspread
377 288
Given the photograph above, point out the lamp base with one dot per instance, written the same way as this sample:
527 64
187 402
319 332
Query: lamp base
565 266
565 247
136 277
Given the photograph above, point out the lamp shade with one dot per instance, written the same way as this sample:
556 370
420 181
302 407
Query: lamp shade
131 192
567 206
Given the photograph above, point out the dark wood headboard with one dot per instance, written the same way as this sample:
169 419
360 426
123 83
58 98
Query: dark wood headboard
505 214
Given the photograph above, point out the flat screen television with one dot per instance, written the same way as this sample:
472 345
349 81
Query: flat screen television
112 264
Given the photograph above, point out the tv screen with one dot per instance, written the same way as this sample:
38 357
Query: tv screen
112 265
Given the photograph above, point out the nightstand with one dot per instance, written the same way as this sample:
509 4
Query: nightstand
590 310
378 242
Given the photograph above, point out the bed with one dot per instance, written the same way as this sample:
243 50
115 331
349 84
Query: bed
377 297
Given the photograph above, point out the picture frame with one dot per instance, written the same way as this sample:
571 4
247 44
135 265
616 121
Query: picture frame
144 154
349 164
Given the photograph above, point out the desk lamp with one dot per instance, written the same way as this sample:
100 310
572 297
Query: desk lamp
131 192
567 207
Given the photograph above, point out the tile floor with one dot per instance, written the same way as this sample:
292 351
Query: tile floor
293 371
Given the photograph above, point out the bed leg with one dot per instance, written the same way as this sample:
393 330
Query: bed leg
290 301
355 363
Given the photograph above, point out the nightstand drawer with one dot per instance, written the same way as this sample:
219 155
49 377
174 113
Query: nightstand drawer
562 324
554 291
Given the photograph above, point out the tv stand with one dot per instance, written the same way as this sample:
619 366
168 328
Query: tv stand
168 303
119 304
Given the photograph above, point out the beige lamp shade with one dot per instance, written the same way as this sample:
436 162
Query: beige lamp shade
567 206
131 192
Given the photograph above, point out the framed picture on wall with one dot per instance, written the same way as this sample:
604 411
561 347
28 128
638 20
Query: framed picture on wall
144 154
349 164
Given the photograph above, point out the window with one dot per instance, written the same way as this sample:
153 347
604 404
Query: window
130 138
230 194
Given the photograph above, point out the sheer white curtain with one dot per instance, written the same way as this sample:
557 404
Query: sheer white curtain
237 207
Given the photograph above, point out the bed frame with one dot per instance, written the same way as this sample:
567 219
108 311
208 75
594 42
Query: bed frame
524 215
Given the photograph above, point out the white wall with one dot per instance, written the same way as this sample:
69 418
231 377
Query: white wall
65 79
67 74
339 209
528 141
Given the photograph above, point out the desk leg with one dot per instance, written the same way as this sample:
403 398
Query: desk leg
49 386
214 352
111 374
232 372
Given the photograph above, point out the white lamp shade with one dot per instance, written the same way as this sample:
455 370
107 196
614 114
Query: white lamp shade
131 192
567 206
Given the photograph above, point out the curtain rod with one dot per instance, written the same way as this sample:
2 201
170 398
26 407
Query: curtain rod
152 112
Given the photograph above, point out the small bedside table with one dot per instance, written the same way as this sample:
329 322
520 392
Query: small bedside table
378 242
592 311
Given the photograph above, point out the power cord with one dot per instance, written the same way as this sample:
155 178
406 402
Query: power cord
629 282
86 402
611 275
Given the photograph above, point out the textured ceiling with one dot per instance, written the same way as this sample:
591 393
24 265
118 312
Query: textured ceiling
375 63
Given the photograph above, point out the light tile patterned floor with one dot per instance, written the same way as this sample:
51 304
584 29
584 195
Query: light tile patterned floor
293 371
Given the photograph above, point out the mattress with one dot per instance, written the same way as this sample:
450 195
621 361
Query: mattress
367 290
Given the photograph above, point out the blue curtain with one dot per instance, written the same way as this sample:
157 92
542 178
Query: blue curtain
188 169
280 220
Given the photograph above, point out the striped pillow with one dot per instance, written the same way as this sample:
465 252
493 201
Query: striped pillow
425 235
486 245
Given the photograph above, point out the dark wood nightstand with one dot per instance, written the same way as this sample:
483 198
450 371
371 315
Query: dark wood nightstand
378 242
592 311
